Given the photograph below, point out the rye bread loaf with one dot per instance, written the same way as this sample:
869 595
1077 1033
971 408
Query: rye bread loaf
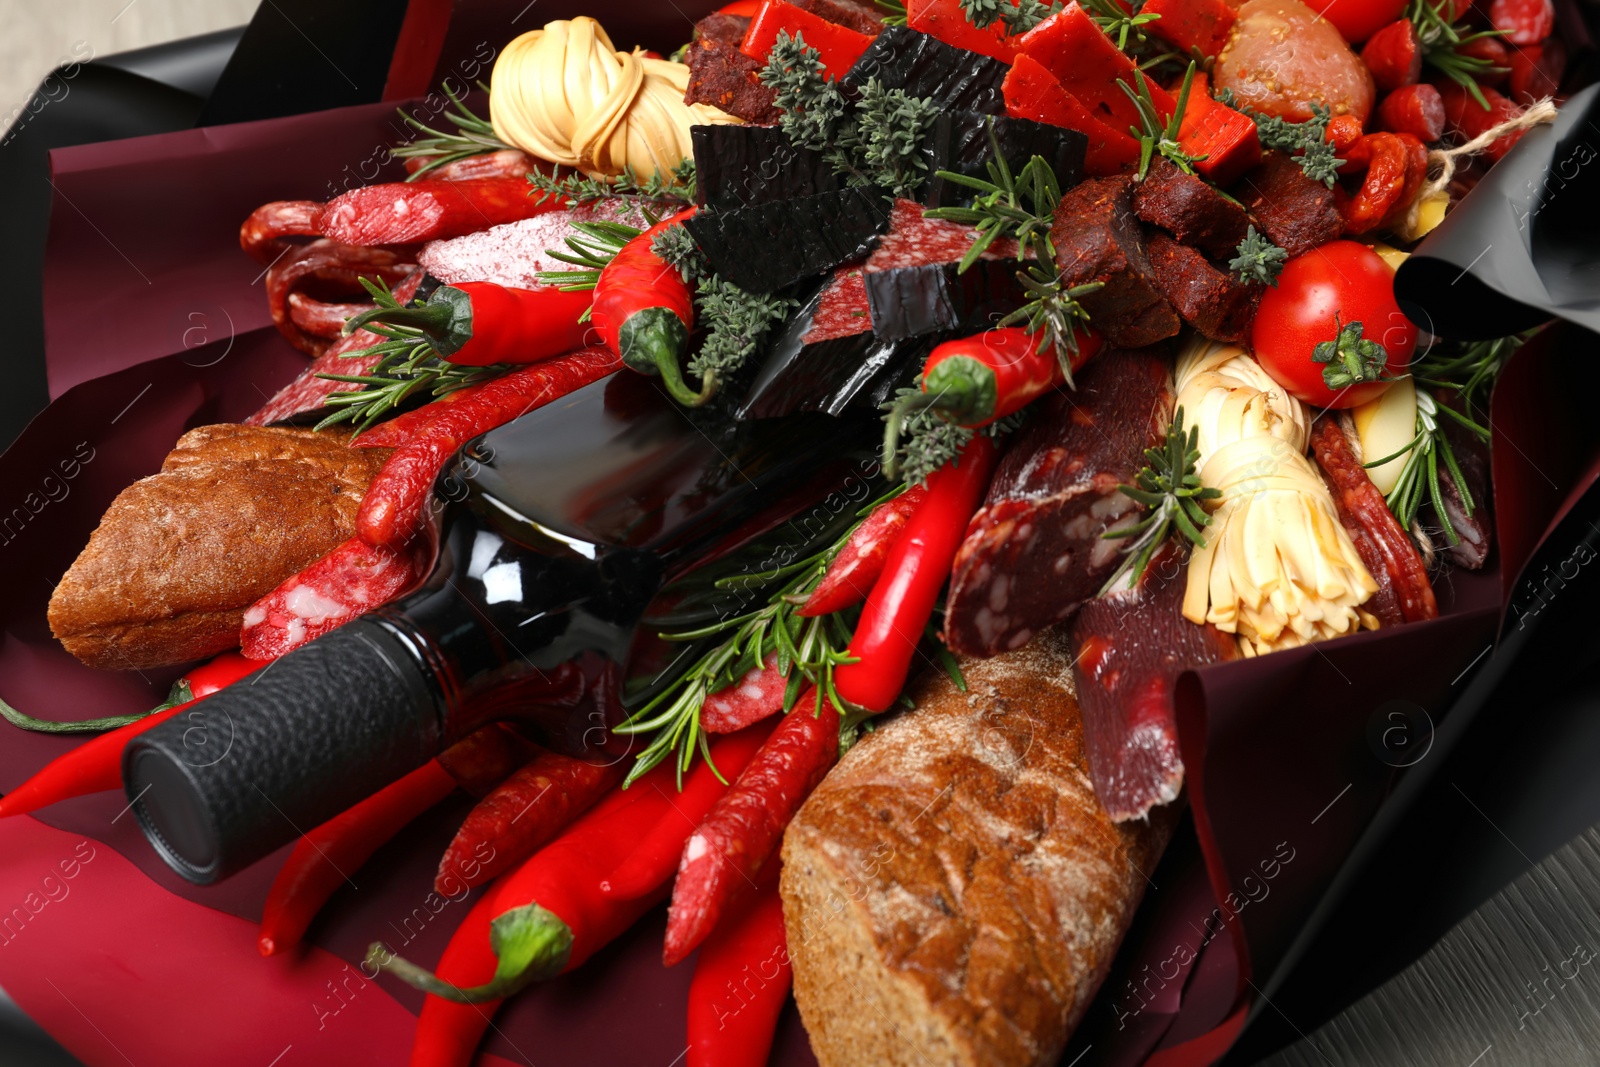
180 555
953 891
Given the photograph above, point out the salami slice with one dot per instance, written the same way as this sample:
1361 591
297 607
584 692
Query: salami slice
353 579
752 698
1130 647
1034 551
308 391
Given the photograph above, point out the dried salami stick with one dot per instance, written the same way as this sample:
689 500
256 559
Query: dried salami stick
521 814
1404 592
397 500
403 213
742 832
749 700
854 571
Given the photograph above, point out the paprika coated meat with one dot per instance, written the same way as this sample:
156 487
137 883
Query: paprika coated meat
1034 551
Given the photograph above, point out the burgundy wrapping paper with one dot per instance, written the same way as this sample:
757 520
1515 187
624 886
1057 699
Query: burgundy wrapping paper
156 322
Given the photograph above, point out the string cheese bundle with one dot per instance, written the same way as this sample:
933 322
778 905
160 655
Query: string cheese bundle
1277 569
564 94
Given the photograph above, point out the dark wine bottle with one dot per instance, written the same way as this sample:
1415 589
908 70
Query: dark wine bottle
559 533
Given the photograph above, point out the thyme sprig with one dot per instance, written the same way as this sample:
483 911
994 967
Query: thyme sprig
408 366
1307 141
924 442
1258 259
736 322
1156 137
661 189
1017 16
1022 207
807 651
1442 42
875 141
473 136
1169 487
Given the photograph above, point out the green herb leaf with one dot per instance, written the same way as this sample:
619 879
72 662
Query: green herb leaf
1350 358
736 322
473 136
1169 487
1259 260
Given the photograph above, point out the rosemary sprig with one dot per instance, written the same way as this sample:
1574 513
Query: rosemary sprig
1442 42
807 651
474 136
1022 206
180 693
1169 486
1125 26
1419 476
408 366
1154 136
590 249
894 11
662 188
1469 370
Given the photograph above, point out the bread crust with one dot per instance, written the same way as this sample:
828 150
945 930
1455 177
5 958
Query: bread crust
954 893
179 556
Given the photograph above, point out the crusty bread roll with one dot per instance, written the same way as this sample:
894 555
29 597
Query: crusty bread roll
179 555
953 891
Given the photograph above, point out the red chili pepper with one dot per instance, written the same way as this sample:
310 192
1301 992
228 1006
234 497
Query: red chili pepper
479 323
644 311
96 765
1394 55
545 918
900 605
1414 109
742 8
326 857
403 213
854 571
742 831
975 380
650 866
521 814
839 46
741 980
397 500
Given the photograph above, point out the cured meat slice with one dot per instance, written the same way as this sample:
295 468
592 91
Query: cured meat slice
1211 300
752 698
1191 210
1034 551
1130 647
913 287
723 76
308 391
765 247
1097 239
1404 592
1297 213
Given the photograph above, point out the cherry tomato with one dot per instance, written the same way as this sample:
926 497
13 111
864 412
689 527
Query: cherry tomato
1343 279
1356 20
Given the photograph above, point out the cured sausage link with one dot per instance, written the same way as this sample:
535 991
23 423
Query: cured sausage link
1033 552
1404 592
1130 647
